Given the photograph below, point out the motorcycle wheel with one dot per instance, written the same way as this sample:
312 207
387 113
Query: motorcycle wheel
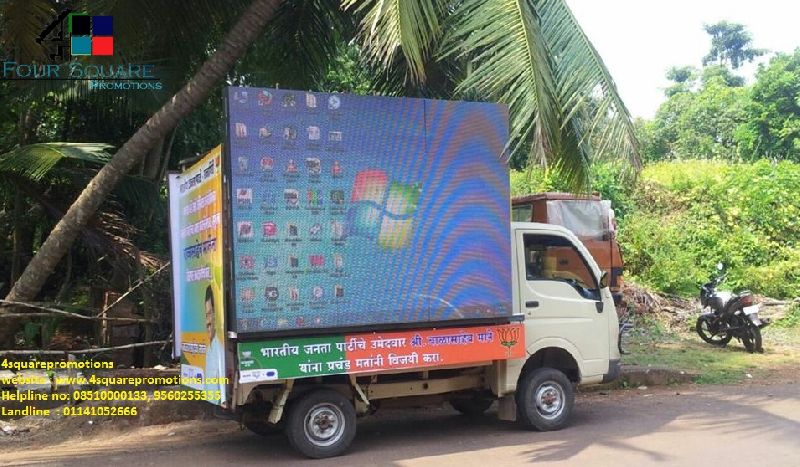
704 329
751 338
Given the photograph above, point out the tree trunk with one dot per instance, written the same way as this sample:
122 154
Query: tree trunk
243 33
152 160
162 171
21 237
17 237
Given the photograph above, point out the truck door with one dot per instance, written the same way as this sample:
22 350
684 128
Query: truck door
559 292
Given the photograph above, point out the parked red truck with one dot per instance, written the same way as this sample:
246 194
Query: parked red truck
589 217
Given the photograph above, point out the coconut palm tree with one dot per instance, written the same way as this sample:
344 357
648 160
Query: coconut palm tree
529 54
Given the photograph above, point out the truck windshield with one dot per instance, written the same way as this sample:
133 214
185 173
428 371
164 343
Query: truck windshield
521 213
553 258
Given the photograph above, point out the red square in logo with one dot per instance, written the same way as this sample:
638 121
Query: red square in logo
102 45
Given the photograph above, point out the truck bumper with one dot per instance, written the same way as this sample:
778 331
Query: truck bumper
613 371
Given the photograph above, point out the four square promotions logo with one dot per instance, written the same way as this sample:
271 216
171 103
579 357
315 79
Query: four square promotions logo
91 35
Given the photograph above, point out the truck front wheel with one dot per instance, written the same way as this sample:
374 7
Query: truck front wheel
544 399
321 424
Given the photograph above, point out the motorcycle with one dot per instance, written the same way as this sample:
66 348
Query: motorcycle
727 315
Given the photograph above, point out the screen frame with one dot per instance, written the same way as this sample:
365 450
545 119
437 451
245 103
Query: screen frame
229 271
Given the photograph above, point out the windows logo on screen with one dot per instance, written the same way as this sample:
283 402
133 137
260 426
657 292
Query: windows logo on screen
91 35
382 210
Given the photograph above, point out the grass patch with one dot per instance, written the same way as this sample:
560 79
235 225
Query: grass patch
651 344
790 320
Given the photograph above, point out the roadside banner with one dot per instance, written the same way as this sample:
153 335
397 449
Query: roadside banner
301 357
173 187
196 218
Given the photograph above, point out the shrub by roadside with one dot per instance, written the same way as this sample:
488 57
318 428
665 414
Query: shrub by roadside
689 215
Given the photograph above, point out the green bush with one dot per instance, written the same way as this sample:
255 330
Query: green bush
536 180
779 278
686 216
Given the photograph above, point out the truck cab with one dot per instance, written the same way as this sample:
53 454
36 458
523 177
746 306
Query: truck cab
566 311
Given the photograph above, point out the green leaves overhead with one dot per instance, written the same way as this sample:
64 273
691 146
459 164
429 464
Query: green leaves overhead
21 21
391 26
297 46
587 91
505 44
34 161
532 55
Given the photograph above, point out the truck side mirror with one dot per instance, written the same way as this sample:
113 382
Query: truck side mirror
604 280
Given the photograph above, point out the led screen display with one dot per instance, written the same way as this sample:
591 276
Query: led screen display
350 211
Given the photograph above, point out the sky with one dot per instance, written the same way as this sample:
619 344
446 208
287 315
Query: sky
640 40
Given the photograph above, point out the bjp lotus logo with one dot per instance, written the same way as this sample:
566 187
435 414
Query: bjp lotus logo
509 336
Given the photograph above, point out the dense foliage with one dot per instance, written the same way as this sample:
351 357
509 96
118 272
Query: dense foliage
682 217
689 215
715 189
710 114
773 126
698 123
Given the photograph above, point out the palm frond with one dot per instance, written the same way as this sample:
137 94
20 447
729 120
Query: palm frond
387 27
510 63
532 55
586 89
297 45
22 22
34 161
139 191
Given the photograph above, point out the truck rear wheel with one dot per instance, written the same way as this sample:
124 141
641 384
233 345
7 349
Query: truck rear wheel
544 399
471 406
321 424
254 419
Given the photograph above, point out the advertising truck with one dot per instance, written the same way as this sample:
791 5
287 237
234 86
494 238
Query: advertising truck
339 254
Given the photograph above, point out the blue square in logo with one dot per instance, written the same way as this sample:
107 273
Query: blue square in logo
81 45
102 25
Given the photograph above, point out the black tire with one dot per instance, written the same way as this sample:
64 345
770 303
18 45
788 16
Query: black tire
321 424
706 332
544 399
254 419
751 338
471 406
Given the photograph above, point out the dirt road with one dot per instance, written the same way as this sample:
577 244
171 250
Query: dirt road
735 425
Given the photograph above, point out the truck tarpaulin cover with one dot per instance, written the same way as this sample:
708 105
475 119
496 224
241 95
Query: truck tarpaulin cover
360 211
586 219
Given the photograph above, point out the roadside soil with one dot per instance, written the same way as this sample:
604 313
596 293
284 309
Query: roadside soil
672 425
158 420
